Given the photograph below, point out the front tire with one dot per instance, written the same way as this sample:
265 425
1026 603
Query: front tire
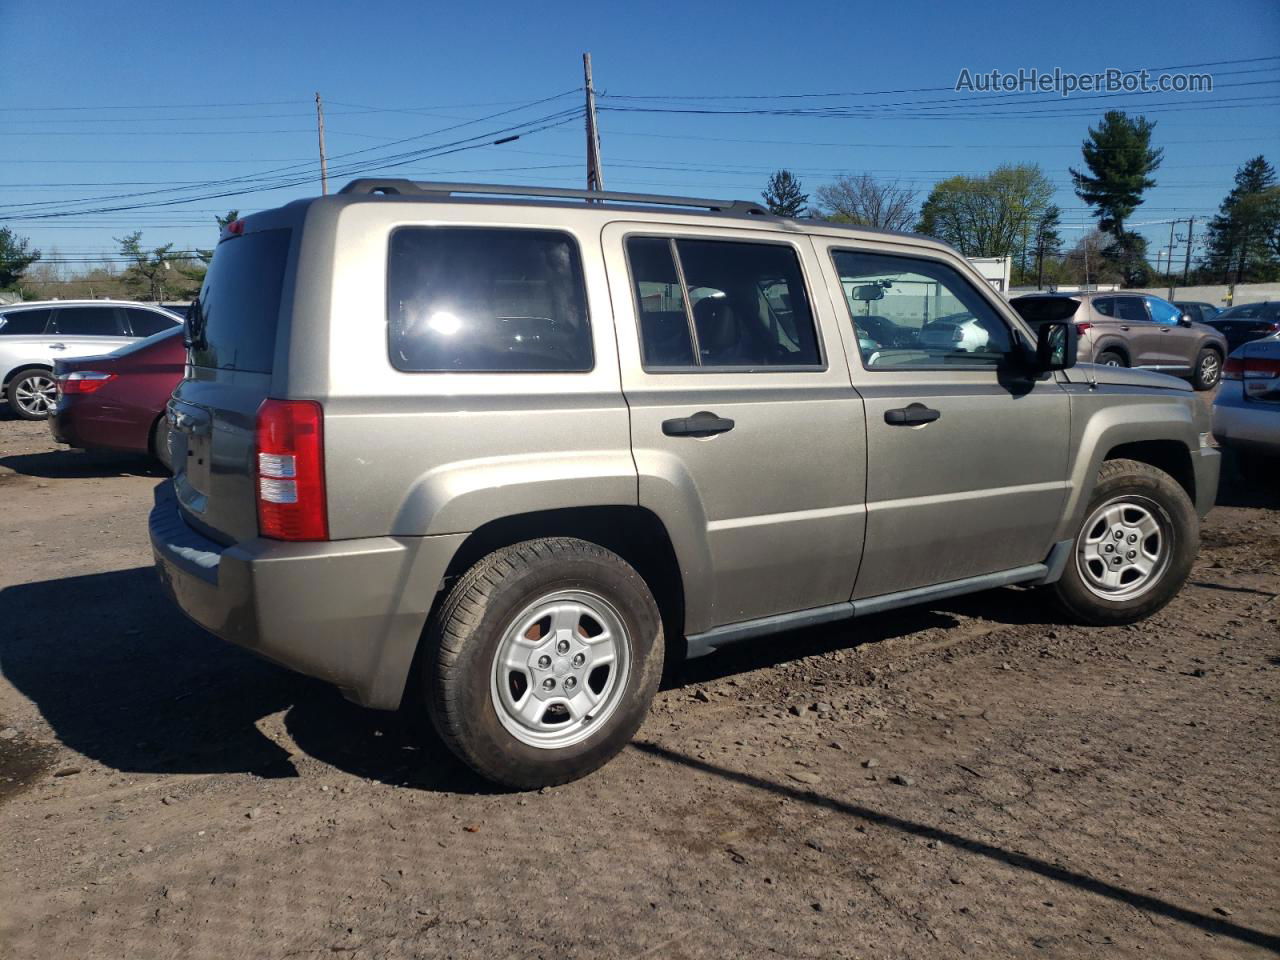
1110 358
1208 370
1135 548
542 662
32 394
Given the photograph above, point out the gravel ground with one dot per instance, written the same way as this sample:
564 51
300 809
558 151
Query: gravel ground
971 779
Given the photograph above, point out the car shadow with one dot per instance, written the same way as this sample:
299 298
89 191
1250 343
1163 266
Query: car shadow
125 679
69 463
1238 487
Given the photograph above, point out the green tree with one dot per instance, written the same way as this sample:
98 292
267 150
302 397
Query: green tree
783 195
867 202
1120 160
148 269
1244 237
1047 242
987 216
16 256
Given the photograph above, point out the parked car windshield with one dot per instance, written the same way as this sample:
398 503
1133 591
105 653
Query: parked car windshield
232 326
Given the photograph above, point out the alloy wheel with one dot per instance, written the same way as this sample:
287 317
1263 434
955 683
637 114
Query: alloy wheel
35 395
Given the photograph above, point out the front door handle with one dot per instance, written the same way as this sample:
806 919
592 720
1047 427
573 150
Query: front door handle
701 424
57 346
912 415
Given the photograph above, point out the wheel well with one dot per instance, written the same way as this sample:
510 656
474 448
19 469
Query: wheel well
633 533
1168 455
1115 346
17 371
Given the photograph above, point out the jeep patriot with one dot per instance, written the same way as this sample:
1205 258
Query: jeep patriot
498 451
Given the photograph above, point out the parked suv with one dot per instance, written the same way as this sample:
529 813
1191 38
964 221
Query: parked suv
1134 330
33 335
509 448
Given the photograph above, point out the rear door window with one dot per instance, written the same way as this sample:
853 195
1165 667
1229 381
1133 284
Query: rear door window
1131 310
147 322
24 323
485 300
88 322
232 326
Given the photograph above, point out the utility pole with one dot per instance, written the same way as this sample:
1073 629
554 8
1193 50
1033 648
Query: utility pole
1168 263
595 176
324 163
1186 264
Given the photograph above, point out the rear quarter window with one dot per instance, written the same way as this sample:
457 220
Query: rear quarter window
232 326
463 299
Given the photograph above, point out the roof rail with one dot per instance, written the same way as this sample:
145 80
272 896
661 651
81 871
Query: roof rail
374 185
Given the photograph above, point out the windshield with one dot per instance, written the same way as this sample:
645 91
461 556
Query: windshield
146 342
232 325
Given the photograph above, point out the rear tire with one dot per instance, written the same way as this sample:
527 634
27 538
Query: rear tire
1134 550
1111 358
1208 371
31 393
160 442
542 661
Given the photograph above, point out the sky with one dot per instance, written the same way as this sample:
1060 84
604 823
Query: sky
159 108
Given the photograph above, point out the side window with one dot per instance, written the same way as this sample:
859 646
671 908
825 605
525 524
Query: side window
19 323
88 322
1162 311
912 312
479 300
147 322
1105 306
1131 310
721 303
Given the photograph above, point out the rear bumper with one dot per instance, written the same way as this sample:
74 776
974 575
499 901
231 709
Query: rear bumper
349 612
1243 423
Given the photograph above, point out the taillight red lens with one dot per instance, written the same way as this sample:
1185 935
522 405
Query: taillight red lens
1082 327
289 467
1233 369
83 381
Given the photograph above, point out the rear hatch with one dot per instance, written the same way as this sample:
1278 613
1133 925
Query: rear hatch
231 332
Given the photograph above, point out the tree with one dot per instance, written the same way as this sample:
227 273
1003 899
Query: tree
1087 263
1120 161
783 195
1244 237
223 221
16 256
868 202
991 216
147 269
1047 242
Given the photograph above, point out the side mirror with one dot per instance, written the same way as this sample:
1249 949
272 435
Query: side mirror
1057 344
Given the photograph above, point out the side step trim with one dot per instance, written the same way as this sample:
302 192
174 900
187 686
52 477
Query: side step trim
701 644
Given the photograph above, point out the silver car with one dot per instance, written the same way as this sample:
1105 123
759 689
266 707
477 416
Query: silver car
35 334
508 448
1246 411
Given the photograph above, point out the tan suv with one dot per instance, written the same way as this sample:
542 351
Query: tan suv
1134 330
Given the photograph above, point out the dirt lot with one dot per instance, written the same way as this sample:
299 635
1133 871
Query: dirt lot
974 779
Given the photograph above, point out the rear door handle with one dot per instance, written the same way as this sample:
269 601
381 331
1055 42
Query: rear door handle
912 415
57 346
701 424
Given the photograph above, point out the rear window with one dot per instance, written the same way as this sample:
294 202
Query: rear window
21 323
232 326
1037 310
147 322
462 299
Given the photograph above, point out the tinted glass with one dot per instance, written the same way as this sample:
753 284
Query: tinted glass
1246 311
1131 310
20 323
1105 306
464 299
232 326
87 322
139 345
664 325
147 322
1162 311
911 312
1038 310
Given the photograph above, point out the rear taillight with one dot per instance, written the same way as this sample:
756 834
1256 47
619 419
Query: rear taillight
1082 327
290 471
83 381
1251 368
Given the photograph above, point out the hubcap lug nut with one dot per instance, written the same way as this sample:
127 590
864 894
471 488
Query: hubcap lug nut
570 683
579 659
549 683
1109 548
1132 554
1133 538
544 661
1119 534
562 646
